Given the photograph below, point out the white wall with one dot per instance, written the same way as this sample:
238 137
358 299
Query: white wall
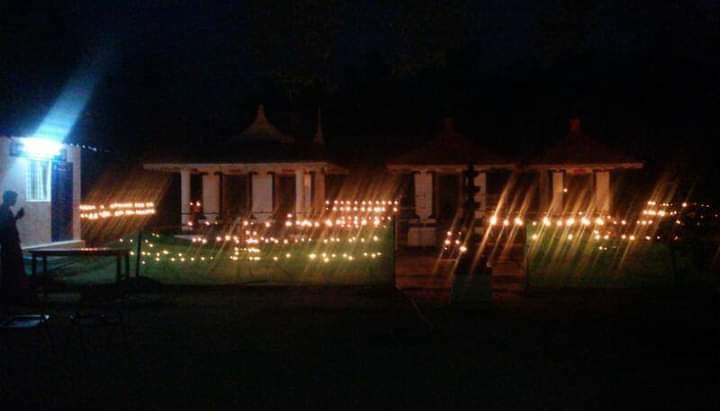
423 195
74 156
262 196
211 196
602 192
36 227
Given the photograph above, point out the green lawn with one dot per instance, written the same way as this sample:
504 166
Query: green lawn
169 260
585 261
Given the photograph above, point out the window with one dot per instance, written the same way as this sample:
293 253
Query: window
38 180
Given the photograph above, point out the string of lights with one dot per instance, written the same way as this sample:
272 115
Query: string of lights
102 211
337 213
659 222
257 248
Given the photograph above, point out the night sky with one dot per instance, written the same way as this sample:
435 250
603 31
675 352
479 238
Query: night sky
641 75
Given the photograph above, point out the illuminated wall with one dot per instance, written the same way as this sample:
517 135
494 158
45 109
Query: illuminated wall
36 227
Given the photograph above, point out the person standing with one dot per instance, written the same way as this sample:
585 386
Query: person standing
11 259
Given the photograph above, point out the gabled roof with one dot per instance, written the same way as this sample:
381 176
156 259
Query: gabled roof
578 149
255 152
262 130
448 148
261 142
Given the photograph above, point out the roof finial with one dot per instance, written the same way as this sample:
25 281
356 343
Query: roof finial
261 113
262 130
318 138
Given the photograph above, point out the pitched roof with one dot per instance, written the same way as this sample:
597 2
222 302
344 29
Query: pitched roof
448 147
262 130
259 152
261 142
578 149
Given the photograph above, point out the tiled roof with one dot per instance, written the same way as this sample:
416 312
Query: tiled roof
448 148
253 152
262 130
577 148
261 142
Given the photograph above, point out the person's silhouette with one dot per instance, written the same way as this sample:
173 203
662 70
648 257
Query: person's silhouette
11 259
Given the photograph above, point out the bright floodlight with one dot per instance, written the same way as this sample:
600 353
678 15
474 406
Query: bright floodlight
41 148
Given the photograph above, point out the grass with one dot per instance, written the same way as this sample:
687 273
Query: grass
584 261
169 260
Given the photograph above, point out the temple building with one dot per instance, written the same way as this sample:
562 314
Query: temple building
436 169
260 173
264 173
575 176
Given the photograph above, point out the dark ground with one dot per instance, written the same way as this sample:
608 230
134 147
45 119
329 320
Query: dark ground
355 348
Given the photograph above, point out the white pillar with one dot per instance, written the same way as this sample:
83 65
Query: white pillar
262 196
423 195
307 196
184 197
544 190
211 196
481 196
300 193
558 190
318 187
602 192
